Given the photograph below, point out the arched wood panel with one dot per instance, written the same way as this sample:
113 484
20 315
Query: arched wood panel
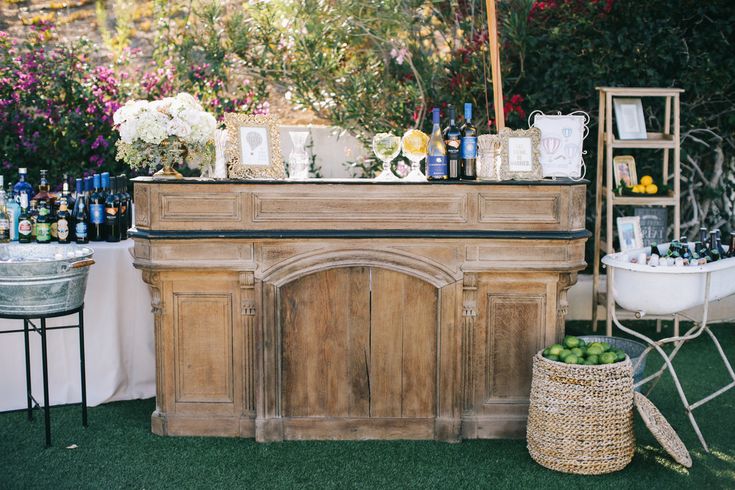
358 342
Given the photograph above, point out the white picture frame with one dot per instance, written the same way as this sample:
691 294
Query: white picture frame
629 118
562 143
630 236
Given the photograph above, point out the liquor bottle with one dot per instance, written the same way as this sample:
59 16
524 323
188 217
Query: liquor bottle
25 227
43 225
126 210
33 216
468 151
436 160
22 185
686 253
13 213
112 208
63 227
731 248
97 211
654 249
453 141
66 194
44 190
4 219
81 219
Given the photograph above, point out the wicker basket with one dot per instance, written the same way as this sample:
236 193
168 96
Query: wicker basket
580 419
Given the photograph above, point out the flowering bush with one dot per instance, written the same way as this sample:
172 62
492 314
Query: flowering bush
57 99
56 107
164 132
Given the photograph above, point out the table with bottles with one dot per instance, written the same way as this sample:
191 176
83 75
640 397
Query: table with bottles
119 328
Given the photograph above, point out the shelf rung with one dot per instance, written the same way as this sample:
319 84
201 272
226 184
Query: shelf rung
654 141
641 91
644 201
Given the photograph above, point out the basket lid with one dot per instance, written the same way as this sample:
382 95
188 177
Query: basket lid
662 430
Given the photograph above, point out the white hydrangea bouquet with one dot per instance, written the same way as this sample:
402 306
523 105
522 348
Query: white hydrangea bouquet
165 132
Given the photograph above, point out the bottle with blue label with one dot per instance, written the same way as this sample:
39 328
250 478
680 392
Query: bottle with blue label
22 185
96 229
436 161
468 150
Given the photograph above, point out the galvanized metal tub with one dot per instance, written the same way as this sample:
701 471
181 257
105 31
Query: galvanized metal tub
41 279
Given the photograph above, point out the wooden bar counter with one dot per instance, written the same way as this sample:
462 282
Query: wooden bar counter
353 309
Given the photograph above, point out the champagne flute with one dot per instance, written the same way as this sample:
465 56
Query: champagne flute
386 147
415 144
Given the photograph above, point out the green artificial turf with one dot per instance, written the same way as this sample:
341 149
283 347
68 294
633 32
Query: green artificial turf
118 450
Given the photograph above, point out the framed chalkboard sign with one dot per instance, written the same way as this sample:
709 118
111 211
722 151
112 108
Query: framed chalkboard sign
654 222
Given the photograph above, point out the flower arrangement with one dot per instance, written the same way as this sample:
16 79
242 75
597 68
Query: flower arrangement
165 132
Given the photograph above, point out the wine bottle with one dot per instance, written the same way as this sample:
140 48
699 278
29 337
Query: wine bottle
25 227
126 210
468 151
22 185
703 236
97 211
13 213
731 248
43 224
63 227
112 207
436 160
654 249
453 141
686 253
105 176
81 220
4 219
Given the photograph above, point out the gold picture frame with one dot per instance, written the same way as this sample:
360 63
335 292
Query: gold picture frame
520 157
624 170
253 147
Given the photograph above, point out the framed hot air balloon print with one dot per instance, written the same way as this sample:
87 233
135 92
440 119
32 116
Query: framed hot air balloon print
254 148
562 138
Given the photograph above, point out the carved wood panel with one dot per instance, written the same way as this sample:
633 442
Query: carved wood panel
203 339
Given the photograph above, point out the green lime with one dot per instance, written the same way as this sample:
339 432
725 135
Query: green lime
608 358
620 355
582 343
571 342
594 350
555 349
571 359
564 353
545 353
590 362
552 357
583 349
577 352
605 346
593 359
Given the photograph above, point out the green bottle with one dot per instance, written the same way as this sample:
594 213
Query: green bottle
43 224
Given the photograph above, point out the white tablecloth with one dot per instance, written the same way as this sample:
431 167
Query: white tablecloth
118 330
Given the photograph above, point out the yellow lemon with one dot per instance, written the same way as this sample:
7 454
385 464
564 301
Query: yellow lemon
646 180
651 189
636 189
